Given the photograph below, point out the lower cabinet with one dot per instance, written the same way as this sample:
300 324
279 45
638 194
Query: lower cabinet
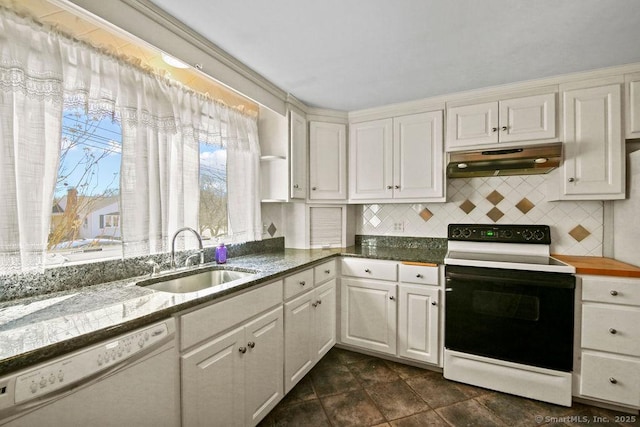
418 312
309 331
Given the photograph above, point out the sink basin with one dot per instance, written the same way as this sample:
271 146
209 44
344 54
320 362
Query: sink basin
194 282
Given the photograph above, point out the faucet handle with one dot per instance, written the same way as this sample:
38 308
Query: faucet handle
154 266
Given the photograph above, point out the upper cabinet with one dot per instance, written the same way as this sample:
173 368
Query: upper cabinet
298 147
530 118
397 159
594 167
632 84
327 161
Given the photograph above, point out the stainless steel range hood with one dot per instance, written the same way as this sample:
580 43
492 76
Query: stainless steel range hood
531 160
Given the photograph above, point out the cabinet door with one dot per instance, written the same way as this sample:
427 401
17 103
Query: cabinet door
472 125
298 141
632 82
213 382
418 308
593 144
369 314
417 154
371 160
327 161
263 366
299 342
325 318
528 118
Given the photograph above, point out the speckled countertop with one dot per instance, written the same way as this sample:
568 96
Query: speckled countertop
42 327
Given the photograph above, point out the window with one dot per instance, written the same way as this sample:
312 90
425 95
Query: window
212 215
85 221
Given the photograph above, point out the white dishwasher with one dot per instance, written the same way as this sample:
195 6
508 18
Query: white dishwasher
131 380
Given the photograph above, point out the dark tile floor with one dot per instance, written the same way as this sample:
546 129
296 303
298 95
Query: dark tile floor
352 389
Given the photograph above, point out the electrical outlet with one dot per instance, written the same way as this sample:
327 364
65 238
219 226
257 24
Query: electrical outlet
398 226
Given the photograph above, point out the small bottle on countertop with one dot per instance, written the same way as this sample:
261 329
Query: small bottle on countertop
221 254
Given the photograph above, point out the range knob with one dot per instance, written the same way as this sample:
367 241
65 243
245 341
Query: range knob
466 232
538 234
507 234
456 232
527 234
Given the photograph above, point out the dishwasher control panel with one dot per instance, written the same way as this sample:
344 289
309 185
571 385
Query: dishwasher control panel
87 363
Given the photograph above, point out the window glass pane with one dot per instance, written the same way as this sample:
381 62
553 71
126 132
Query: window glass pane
85 222
213 193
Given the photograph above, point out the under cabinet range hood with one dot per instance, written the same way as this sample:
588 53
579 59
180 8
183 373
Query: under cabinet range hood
531 160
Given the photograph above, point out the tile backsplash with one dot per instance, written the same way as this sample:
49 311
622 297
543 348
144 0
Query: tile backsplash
576 227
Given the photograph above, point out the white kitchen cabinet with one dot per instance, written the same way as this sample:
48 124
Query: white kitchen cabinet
418 314
298 146
398 158
309 326
609 353
236 378
632 110
327 161
594 166
529 118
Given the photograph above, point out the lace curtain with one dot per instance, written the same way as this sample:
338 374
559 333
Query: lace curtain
163 122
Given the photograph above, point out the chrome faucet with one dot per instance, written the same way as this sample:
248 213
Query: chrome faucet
173 245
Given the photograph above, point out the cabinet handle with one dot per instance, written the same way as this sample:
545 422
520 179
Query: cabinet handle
251 344
572 180
613 380
614 293
494 129
613 331
504 128
314 188
392 298
389 187
302 283
366 270
242 350
419 276
327 271
434 303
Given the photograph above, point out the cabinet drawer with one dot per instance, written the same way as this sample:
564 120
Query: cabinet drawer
324 272
611 328
611 290
370 269
215 318
298 283
420 274
610 378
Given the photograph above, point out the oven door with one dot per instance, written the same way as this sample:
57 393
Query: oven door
518 316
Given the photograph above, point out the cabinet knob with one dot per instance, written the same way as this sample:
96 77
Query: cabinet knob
315 304
319 302
366 270
392 298
504 128
242 350
389 187
314 188
302 283
296 186
251 344
614 293
397 187
572 180
494 129
613 331
419 276
327 271
613 380
434 303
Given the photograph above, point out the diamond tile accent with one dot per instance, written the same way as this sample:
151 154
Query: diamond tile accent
495 197
495 214
579 233
525 205
467 206
425 214
272 230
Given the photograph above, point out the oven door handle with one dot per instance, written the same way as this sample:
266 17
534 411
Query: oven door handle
547 282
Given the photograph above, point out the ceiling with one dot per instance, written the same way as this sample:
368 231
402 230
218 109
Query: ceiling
356 54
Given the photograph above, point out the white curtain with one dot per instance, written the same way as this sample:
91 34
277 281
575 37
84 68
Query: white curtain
31 95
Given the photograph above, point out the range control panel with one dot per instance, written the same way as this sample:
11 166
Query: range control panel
514 233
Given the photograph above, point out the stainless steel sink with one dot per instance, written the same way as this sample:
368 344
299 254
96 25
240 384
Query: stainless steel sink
194 282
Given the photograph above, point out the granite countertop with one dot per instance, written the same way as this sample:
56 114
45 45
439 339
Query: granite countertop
38 328
600 266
